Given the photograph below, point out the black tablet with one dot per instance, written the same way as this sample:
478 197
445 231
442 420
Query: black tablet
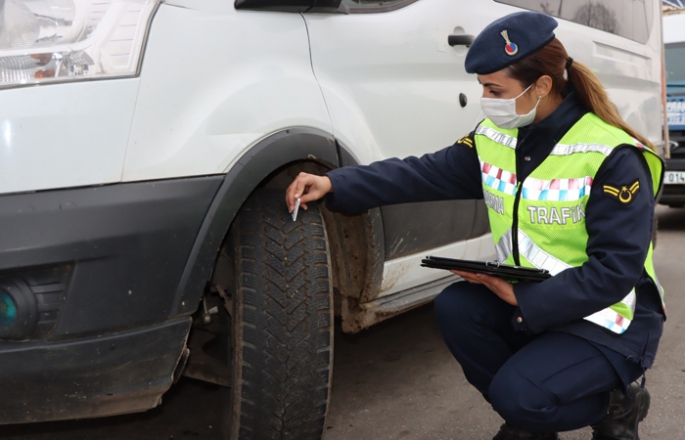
487 267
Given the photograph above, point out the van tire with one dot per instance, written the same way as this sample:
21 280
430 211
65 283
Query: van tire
282 322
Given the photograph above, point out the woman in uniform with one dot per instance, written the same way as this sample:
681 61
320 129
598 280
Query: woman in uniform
570 188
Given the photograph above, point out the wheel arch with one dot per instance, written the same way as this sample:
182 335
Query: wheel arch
356 242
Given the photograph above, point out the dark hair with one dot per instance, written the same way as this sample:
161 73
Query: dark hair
552 60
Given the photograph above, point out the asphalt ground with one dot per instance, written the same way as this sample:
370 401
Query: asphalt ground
398 381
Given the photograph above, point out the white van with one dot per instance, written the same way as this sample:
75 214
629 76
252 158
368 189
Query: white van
144 149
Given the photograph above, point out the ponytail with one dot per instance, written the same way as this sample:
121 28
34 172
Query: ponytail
552 60
591 93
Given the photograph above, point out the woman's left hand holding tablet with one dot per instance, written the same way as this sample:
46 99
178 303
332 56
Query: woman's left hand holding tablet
500 287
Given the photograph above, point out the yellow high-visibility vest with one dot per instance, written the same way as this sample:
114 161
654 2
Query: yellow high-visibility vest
540 222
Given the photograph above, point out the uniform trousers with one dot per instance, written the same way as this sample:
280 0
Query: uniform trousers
549 382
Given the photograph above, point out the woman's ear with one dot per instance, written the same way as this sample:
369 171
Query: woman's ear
543 86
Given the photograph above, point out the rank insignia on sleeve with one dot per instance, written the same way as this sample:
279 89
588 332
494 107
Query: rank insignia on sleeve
466 140
625 193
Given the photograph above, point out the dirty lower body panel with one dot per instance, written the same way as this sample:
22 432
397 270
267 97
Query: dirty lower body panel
111 374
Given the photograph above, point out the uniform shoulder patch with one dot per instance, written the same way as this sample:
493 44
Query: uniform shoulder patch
466 140
623 193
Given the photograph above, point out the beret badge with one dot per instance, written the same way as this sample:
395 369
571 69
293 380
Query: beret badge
511 48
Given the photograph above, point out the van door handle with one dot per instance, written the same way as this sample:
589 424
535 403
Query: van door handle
460 40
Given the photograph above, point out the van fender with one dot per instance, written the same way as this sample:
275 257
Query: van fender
290 147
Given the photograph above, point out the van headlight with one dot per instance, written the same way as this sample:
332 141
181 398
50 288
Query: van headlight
44 41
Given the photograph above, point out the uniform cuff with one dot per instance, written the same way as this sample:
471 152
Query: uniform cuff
330 197
519 322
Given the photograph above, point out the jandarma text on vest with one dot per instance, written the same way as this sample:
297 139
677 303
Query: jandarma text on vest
496 203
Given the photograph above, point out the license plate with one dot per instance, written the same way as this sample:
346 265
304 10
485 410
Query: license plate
674 178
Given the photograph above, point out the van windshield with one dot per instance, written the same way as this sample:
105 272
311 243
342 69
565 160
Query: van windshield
675 68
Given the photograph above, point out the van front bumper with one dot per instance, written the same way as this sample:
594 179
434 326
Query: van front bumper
114 374
92 319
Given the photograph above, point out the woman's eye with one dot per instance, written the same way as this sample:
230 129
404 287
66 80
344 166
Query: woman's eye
494 93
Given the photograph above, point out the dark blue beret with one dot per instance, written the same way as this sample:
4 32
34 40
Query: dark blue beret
508 40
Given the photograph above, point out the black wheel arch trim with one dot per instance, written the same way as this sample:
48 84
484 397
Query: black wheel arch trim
274 152
377 8
297 6
321 6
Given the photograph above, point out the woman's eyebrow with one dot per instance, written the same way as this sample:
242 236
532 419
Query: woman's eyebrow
490 84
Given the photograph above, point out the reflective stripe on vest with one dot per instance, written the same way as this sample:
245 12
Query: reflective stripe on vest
607 318
565 150
548 207
496 136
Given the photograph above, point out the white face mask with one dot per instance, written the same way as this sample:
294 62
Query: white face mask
503 111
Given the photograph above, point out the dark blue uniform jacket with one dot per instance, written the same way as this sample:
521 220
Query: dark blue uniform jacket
619 233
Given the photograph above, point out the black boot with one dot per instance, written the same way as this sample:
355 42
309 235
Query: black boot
623 415
508 432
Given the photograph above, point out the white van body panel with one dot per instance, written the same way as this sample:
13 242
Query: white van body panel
630 72
212 91
65 135
674 28
400 95
405 273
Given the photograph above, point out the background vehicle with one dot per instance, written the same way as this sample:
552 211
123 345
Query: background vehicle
142 172
673 193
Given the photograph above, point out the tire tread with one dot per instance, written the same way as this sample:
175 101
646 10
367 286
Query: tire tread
284 294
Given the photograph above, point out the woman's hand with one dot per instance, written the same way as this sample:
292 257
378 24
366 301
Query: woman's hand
308 188
501 288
